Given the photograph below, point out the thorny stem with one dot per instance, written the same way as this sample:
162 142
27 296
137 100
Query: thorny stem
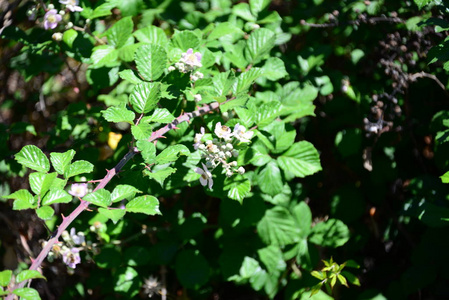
109 175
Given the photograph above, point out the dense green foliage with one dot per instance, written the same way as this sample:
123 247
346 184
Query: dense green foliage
262 149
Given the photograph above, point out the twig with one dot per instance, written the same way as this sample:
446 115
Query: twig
110 174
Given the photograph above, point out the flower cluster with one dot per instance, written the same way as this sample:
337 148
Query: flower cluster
219 151
68 250
52 17
189 62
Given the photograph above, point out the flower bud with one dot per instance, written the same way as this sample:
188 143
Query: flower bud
241 170
50 6
57 36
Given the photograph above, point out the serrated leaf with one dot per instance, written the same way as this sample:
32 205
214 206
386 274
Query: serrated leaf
23 200
422 3
114 214
118 114
45 212
28 274
332 233
27 293
123 191
145 96
130 76
259 44
171 153
56 196
246 79
148 151
445 177
40 183
278 227
160 115
100 197
267 112
79 167
270 179
238 188
243 11
273 259
160 175
258 5
32 157
303 217
61 161
223 29
127 52
144 204
5 277
151 61
301 159
142 131
185 40
153 35
104 55
274 69
119 33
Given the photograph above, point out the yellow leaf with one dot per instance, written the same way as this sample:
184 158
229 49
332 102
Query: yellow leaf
113 139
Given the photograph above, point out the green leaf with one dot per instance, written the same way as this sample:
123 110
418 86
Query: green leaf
245 116
79 167
23 200
259 44
223 29
171 153
422 3
144 204
56 196
192 269
130 76
118 114
45 212
123 191
40 183
5 277
100 197
127 52
141 131
160 175
160 115
69 37
246 79
119 33
145 96
153 35
303 216
27 293
266 113
104 55
270 179
61 161
32 157
274 69
445 177
273 259
332 233
278 227
148 151
151 61
258 5
28 274
115 214
243 11
125 281
238 187
185 40
301 159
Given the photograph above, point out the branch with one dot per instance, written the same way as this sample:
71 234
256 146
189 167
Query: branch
110 174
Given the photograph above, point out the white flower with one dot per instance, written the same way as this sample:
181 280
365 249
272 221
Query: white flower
171 68
72 5
223 131
196 76
71 257
78 190
206 176
78 239
151 286
241 134
197 98
51 19
198 138
192 59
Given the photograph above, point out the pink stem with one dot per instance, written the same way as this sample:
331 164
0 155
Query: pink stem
110 174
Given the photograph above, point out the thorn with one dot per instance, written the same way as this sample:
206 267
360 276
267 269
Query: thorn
63 217
32 260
